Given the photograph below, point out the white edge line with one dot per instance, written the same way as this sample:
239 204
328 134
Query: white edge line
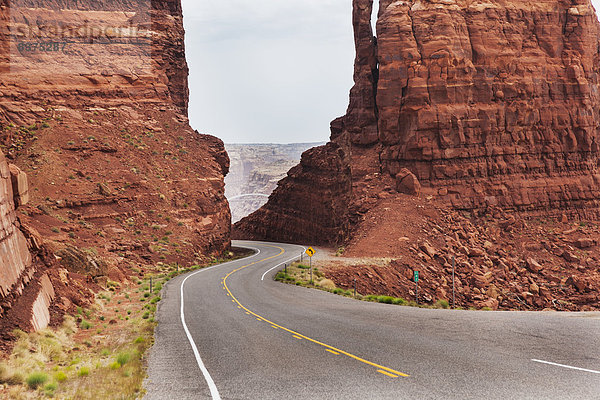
214 392
566 366
279 265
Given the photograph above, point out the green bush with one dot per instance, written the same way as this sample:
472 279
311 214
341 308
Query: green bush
302 266
60 376
50 388
115 365
36 379
85 324
123 358
399 301
385 299
83 371
442 304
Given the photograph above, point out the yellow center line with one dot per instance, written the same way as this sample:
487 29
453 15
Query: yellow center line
333 352
274 327
384 370
387 373
297 337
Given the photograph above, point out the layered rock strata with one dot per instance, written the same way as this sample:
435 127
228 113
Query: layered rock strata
489 103
25 288
93 108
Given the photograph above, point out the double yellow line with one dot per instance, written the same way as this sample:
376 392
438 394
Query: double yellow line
380 368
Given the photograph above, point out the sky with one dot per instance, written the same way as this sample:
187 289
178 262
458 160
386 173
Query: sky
269 71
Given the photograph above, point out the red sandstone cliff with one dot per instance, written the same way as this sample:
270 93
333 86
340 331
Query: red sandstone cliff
93 107
490 103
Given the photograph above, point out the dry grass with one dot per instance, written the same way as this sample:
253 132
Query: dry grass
80 363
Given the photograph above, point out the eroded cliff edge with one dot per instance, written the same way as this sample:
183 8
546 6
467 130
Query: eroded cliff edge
93 108
480 104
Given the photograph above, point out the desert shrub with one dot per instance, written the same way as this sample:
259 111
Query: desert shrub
441 303
60 376
385 299
399 301
123 358
115 365
36 379
85 324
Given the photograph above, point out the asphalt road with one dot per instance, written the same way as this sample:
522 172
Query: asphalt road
260 339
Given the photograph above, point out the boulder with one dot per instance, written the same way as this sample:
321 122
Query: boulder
407 183
584 243
20 185
533 265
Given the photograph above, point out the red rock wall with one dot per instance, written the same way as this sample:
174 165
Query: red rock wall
20 277
486 103
14 254
99 125
116 51
113 101
496 101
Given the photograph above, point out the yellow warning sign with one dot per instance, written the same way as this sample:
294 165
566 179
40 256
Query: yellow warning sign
310 251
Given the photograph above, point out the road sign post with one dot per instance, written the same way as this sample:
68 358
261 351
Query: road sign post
311 252
354 287
453 280
417 286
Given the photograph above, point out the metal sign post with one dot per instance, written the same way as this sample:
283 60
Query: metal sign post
354 287
417 286
453 280
311 252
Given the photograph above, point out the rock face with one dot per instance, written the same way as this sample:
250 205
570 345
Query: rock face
14 254
491 103
320 211
21 277
93 109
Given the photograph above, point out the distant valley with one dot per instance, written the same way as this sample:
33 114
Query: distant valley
255 170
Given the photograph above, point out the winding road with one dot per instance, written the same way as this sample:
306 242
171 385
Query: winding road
232 332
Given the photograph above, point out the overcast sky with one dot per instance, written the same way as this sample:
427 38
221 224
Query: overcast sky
269 71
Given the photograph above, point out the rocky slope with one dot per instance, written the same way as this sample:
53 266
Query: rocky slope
93 107
256 169
479 103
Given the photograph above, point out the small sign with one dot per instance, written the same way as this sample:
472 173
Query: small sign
310 251
416 276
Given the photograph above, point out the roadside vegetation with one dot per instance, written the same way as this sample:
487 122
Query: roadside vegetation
299 274
98 353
